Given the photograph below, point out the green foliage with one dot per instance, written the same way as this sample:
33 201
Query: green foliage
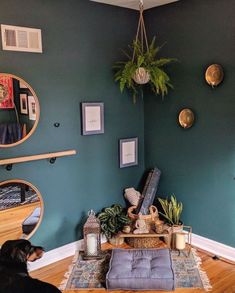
159 80
112 220
172 210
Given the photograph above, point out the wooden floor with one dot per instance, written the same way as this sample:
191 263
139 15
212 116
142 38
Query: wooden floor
220 273
11 221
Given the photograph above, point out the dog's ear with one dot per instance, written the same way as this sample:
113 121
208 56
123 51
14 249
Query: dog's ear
18 255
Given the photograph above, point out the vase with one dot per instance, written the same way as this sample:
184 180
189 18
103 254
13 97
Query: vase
115 240
141 76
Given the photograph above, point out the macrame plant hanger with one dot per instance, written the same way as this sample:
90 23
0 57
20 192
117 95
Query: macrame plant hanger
141 76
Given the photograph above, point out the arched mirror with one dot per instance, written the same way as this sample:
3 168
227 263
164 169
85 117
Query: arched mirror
19 110
21 210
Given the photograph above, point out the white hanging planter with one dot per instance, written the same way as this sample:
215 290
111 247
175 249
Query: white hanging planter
141 76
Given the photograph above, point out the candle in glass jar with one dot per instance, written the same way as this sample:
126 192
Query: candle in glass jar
91 244
180 240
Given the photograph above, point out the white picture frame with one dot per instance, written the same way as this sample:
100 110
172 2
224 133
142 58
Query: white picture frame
128 152
92 118
32 108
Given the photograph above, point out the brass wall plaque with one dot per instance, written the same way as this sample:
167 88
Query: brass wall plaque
186 118
214 75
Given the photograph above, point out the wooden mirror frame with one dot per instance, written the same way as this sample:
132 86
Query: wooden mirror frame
37 115
13 181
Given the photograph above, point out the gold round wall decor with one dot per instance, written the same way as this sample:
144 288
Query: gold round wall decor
214 75
186 118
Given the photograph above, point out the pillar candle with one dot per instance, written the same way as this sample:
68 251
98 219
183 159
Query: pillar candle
180 240
91 244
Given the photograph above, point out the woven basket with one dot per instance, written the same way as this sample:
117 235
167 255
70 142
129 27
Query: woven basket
151 217
144 242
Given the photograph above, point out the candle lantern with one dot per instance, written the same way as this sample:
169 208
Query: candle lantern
182 237
91 234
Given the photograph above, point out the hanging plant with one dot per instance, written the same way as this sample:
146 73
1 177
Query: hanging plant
142 66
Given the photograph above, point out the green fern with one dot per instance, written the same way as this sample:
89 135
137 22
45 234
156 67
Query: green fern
124 71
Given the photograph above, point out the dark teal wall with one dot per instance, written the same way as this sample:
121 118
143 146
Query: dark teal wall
81 40
198 164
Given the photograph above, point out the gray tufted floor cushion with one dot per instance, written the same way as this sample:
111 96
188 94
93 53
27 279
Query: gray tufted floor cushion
140 269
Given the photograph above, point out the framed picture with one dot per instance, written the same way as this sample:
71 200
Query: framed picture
32 108
23 104
128 152
6 93
92 118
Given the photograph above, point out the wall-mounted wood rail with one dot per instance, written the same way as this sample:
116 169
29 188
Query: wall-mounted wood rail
51 156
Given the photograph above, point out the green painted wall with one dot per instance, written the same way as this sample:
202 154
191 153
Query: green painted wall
81 40
198 164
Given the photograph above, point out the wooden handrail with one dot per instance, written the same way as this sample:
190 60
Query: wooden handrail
37 157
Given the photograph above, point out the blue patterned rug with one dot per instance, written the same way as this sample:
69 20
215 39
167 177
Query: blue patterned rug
91 274
10 196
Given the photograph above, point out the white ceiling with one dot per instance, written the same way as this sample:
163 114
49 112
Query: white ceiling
134 4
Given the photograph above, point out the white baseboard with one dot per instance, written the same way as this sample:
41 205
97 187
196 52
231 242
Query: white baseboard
67 250
214 247
56 255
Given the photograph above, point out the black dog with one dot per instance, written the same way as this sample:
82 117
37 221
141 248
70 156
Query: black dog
14 276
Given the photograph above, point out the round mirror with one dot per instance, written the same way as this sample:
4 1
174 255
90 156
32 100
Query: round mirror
19 110
186 118
21 210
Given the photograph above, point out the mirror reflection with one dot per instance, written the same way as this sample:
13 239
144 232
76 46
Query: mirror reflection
19 110
21 210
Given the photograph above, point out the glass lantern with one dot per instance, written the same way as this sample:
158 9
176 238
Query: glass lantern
180 239
91 234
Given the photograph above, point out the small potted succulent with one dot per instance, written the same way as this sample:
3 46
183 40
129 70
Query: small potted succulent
112 220
143 67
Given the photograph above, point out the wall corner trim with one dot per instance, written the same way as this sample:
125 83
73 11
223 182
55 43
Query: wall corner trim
67 250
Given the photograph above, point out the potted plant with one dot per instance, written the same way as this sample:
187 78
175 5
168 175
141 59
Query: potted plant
112 220
172 210
143 67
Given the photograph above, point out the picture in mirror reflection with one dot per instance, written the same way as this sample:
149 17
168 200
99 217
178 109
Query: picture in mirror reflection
18 109
20 211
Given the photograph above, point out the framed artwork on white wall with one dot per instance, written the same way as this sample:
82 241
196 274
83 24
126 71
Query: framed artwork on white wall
32 108
23 104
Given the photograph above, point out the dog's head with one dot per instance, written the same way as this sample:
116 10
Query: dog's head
20 251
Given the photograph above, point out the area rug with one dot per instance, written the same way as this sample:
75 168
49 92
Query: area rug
91 274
